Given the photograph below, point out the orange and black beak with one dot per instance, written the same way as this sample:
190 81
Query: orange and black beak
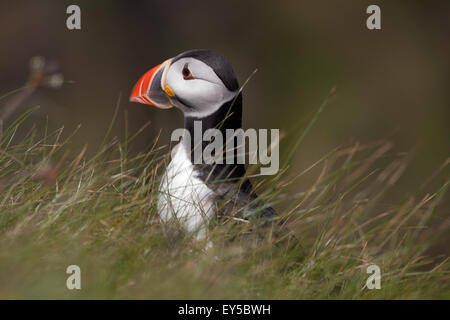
151 89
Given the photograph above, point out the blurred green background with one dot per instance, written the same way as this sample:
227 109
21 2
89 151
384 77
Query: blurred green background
391 83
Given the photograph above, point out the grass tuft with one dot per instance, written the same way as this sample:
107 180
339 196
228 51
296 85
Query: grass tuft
58 207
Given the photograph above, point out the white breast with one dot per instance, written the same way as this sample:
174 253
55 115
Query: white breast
184 198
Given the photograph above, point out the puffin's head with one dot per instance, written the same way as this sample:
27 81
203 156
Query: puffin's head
198 82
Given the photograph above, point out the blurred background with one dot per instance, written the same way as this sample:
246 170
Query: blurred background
390 84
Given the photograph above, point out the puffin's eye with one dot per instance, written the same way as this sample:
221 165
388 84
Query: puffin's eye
186 73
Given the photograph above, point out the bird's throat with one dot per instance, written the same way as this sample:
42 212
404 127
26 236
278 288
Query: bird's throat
228 116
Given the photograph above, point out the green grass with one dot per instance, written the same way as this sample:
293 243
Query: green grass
59 207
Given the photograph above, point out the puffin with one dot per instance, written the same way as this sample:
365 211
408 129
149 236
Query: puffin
194 196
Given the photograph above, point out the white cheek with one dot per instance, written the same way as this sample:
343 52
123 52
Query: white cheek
206 93
198 93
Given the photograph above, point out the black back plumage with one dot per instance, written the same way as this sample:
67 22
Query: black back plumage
232 188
